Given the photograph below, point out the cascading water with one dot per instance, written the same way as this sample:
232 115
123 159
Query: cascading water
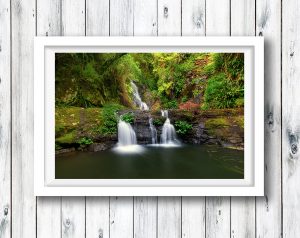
153 131
164 113
126 134
168 134
137 98
127 142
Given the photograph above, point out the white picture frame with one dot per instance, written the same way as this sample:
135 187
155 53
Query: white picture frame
45 183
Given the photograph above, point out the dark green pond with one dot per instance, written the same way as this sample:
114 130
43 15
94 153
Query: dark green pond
185 162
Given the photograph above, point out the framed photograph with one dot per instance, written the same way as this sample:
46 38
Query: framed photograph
149 116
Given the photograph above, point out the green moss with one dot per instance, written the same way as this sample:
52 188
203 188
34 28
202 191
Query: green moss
128 117
68 138
239 120
215 123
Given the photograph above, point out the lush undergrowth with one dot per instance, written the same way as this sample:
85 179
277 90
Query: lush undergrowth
165 80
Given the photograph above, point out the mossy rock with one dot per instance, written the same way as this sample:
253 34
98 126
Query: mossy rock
215 123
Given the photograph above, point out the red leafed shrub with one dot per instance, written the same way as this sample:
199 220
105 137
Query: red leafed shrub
188 106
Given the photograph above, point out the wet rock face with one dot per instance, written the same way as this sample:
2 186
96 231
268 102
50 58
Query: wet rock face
142 128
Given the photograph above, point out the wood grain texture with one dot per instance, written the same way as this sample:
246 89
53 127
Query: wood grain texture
48 23
145 217
218 17
73 217
97 217
23 200
290 117
193 217
121 217
121 17
242 18
242 217
193 18
5 120
73 17
48 20
48 223
218 208
169 17
97 18
242 208
268 208
145 18
217 217
169 217
141 217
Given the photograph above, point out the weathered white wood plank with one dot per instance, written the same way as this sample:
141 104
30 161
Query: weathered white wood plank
169 17
290 117
193 217
121 217
73 208
193 208
23 200
97 217
5 120
193 17
73 217
169 217
48 217
97 18
49 20
242 208
218 17
242 18
242 217
48 208
145 17
268 208
218 208
145 217
217 217
121 17
73 17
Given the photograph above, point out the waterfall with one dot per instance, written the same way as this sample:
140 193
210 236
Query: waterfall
164 113
168 134
153 131
126 134
137 98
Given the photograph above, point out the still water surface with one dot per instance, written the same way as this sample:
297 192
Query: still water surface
150 162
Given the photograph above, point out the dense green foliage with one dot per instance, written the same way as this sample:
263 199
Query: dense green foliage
182 127
165 80
157 122
109 118
128 117
85 141
225 86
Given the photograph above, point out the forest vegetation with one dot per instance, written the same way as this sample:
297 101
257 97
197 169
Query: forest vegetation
91 87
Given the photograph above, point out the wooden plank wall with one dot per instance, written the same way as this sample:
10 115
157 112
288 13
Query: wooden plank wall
274 215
